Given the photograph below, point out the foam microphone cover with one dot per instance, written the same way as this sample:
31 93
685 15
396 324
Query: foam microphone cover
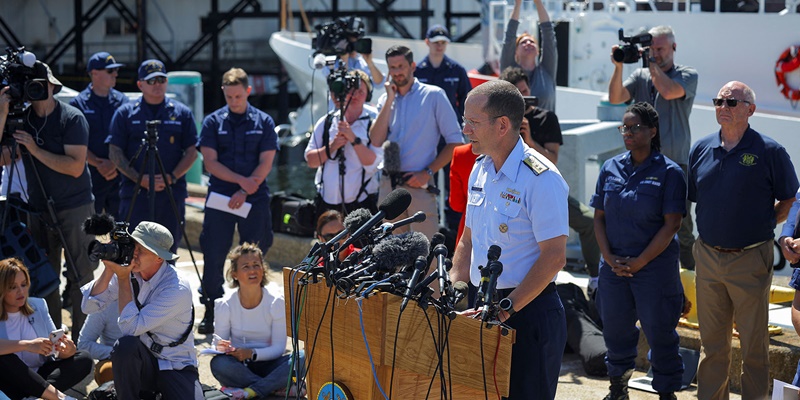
356 218
395 203
391 157
398 252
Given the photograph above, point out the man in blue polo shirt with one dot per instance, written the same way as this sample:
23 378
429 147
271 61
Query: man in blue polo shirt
98 102
238 143
177 136
440 70
414 115
735 177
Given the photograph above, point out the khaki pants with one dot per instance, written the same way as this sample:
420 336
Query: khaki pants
733 287
421 200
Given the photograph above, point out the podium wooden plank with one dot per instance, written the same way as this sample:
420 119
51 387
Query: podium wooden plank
416 359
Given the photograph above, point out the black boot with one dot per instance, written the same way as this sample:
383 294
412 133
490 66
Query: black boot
667 396
618 390
207 324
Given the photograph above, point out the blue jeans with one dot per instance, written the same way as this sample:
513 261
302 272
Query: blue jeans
264 377
217 237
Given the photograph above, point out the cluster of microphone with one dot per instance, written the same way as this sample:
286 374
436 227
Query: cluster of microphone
385 262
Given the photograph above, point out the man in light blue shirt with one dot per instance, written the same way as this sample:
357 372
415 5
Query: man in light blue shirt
156 352
414 115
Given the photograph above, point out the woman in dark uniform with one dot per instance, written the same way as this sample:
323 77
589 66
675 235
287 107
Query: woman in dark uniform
639 202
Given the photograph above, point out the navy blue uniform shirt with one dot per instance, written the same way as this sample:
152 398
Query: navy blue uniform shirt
451 77
735 190
635 200
176 132
98 111
239 140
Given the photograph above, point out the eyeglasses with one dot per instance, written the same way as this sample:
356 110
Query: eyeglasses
158 79
329 236
472 123
634 129
728 102
112 70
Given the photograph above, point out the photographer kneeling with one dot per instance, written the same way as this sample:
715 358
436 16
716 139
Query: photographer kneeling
156 351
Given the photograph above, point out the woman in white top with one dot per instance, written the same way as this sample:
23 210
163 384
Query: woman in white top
32 365
250 328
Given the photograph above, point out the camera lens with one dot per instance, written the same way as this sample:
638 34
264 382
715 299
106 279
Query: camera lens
619 54
35 91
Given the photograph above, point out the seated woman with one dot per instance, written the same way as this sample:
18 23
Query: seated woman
32 365
250 328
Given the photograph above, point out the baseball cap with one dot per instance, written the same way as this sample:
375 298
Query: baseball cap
52 79
438 33
151 69
102 60
156 238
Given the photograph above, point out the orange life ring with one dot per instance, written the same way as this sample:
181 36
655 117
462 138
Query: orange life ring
788 61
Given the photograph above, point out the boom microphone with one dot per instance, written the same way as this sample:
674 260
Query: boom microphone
391 157
390 208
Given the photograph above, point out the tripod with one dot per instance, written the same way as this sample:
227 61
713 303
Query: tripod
150 161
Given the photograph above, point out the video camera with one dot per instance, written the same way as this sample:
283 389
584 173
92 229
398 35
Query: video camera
340 83
341 36
629 53
26 79
119 249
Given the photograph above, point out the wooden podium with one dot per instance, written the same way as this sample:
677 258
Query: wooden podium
415 359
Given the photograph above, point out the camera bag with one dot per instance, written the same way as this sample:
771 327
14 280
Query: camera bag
292 214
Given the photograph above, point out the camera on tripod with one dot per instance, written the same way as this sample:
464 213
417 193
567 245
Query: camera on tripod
121 246
629 53
342 36
26 79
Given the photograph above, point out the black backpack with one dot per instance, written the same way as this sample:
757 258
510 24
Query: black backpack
292 214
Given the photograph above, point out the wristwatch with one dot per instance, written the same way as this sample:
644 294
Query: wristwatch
429 171
508 306
356 141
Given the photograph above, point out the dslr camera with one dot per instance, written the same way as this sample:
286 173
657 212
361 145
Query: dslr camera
628 53
121 246
26 79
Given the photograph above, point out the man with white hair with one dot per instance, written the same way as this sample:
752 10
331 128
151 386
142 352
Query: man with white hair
743 183
156 352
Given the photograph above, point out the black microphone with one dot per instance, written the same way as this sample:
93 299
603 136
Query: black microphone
460 290
437 239
494 268
391 207
389 227
419 268
440 252
392 254
352 221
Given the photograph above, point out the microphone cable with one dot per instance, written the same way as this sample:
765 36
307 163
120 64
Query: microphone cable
369 353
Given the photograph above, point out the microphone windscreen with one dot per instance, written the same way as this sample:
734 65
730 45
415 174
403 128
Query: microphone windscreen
398 252
461 287
438 238
356 218
98 224
391 157
395 203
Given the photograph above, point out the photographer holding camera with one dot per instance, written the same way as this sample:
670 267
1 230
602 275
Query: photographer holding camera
156 352
670 88
59 187
341 151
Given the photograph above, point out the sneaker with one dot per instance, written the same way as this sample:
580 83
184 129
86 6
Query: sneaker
234 393
591 288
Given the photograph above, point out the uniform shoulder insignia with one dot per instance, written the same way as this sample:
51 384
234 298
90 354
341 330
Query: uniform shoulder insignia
480 157
535 165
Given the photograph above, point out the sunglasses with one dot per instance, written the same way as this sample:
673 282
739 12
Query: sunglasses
112 70
158 79
623 129
728 102
329 236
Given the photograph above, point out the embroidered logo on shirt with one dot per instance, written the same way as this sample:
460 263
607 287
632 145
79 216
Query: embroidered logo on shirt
651 180
748 160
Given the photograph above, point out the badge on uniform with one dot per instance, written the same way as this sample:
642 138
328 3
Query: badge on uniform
172 140
503 228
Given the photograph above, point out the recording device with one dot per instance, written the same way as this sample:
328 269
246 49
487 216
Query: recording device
340 83
628 53
391 157
119 249
389 227
489 274
26 78
55 336
420 265
531 101
460 290
341 36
